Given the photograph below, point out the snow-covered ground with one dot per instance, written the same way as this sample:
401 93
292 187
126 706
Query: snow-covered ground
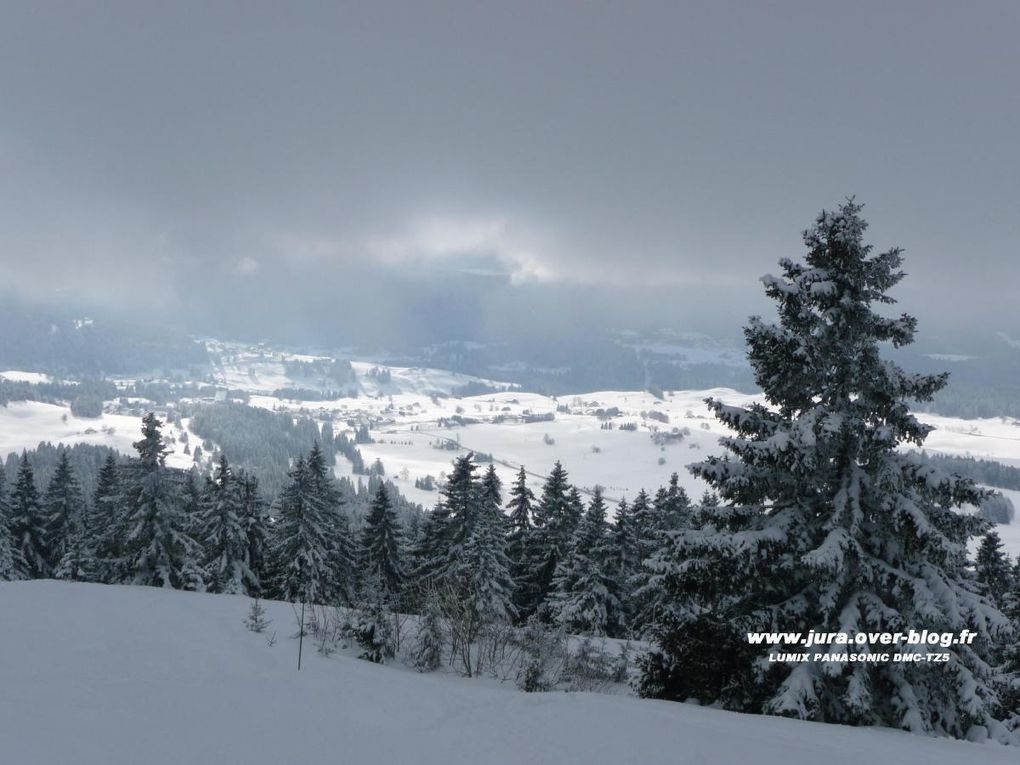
409 416
24 424
15 375
257 370
104 675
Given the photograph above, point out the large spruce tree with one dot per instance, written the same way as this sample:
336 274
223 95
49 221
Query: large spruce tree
8 570
328 505
158 549
64 508
824 523
255 520
519 539
28 526
311 547
585 597
109 523
484 570
382 546
555 519
223 535
992 567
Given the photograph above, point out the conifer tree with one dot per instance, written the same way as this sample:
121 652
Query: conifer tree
223 535
328 502
575 509
381 546
653 521
519 541
448 526
306 543
490 497
431 552
8 570
78 561
109 523
628 550
1010 693
28 526
430 641
192 504
586 596
675 512
824 524
461 497
255 521
64 508
555 523
159 552
484 568
992 567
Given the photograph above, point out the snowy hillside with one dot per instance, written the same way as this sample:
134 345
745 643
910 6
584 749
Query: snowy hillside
621 440
259 370
104 675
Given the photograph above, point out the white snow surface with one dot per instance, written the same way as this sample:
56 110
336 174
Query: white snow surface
105 675
24 424
404 416
16 375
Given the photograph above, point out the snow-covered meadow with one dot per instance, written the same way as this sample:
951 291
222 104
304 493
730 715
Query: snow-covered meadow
115 674
412 414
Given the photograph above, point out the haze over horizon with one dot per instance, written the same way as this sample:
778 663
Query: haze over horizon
416 169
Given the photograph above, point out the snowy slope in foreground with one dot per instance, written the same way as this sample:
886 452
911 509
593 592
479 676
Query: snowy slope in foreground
105 675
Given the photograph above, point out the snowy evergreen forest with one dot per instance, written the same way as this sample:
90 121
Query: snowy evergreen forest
817 520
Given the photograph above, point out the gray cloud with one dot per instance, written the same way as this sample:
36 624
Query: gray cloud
648 160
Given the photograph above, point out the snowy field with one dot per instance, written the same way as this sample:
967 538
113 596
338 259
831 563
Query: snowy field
412 414
256 370
107 675
24 424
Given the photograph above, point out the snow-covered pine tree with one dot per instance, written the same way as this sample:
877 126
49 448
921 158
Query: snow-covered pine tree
28 525
491 497
109 523
304 537
991 567
461 498
64 508
1010 694
255 520
159 552
675 511
78 562
625 542
430 554
430 641
8 570
381 546
653 521
447 527
555 523
575 509
223 536
192 504
585 597
825 524
299 546
328 504
483 567
519 540
373 628
629 552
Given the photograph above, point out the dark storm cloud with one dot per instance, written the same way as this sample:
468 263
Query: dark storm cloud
521 151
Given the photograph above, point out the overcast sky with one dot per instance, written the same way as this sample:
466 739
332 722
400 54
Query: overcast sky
573 149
